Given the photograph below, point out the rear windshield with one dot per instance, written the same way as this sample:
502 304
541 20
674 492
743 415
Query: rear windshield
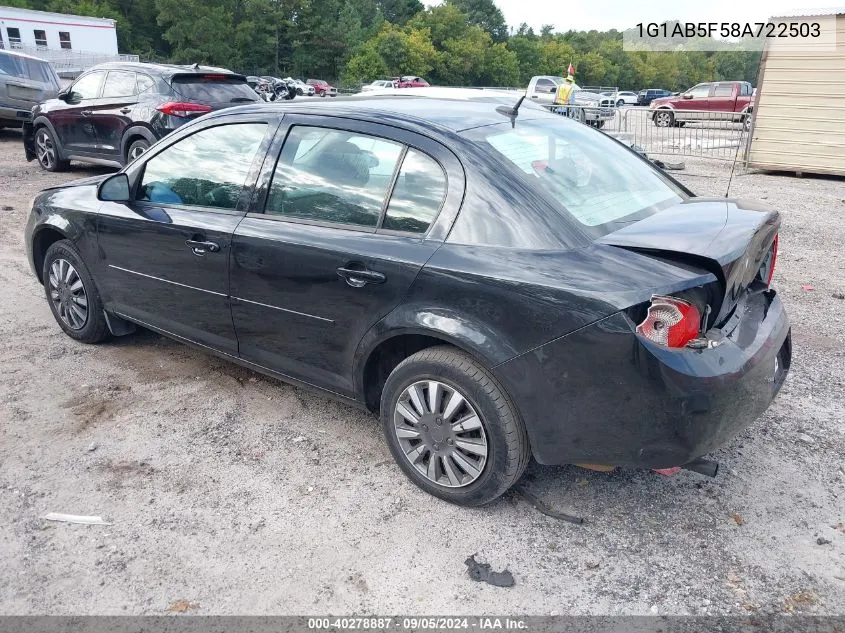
591 177
23 68
212 89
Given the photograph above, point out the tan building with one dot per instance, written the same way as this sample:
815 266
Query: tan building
799 117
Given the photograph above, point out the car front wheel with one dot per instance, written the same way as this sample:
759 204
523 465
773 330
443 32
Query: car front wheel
72 295
47 151
664 118
451 428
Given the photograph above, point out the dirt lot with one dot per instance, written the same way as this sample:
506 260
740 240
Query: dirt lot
241 495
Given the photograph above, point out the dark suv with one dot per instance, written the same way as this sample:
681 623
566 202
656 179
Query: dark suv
114 112
645 97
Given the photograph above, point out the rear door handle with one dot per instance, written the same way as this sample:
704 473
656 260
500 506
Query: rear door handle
360 278
200 248
87 112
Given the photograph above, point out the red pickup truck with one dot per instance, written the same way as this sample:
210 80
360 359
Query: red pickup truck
719 101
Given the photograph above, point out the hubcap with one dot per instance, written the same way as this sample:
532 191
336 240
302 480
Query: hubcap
136 151
663 119
45 150
440 433
68 294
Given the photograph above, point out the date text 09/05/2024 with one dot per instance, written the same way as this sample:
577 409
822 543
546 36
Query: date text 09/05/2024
729 29
416 623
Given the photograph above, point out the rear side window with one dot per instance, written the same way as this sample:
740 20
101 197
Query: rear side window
145 84
418 194
723 90
12 66
333 176
119 84
206 169
213 89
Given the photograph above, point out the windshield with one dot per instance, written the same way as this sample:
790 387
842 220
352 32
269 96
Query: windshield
213 89
599 183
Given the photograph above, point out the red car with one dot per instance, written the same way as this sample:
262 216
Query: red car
712 101
322 88
410 81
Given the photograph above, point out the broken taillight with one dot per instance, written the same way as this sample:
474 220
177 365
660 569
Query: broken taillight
767 268
670 321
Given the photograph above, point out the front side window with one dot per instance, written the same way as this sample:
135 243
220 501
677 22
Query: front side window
207 169
417 196
597 182
64 40
333 176
699 91
119 84
88 87
40 38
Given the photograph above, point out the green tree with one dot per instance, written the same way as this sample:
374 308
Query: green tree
487 15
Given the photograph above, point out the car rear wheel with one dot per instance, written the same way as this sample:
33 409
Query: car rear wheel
620 103
451 428
136 149
47 151
664 118
72 295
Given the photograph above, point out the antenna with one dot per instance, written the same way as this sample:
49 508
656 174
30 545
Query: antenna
511 112
733 166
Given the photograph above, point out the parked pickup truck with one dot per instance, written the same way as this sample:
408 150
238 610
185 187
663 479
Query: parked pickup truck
542 90
714 101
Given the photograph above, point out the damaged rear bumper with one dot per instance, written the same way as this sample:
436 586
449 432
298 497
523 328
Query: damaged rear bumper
605 395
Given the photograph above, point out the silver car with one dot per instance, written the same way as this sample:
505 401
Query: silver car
25 82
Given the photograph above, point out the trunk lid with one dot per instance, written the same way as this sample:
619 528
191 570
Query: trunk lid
730 238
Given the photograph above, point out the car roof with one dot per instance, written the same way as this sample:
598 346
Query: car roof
165 69
23 56
451 115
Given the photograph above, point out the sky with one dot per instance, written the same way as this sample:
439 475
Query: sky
602 15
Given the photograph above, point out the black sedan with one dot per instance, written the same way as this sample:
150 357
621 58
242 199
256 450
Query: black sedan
496 283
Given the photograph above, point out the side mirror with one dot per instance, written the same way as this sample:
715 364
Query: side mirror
63 94
687 95
114 189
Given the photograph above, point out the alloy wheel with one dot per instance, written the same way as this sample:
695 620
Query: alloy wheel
45 150
440 433
664 119
136 151
68 295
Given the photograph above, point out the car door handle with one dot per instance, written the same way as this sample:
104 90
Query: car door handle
87 112
200 248
360 278
125 110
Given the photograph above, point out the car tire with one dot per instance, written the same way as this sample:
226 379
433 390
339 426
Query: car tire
72 295
599 124
664 118
468 453
136 149
47 151
746 121
299 92
620 103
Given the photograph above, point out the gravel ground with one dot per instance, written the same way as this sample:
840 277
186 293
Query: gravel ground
231 493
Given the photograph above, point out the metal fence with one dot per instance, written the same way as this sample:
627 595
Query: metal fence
69 63
699 133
